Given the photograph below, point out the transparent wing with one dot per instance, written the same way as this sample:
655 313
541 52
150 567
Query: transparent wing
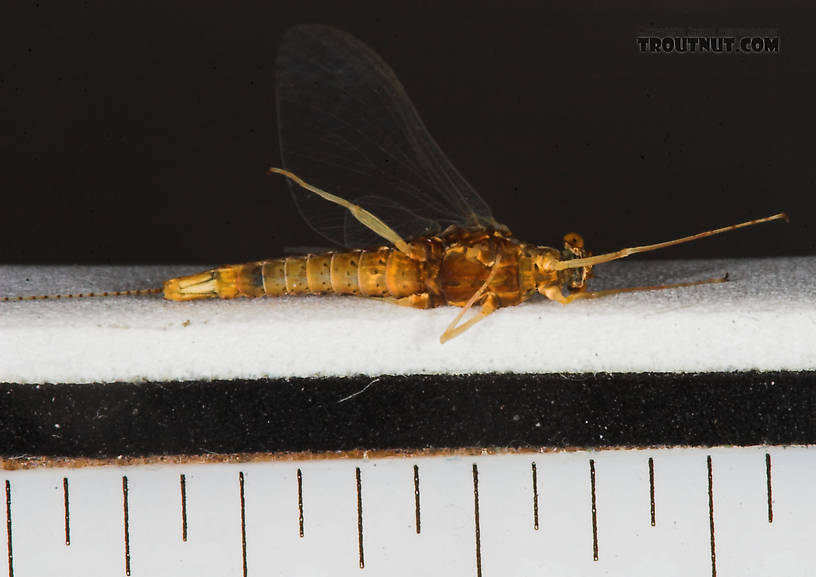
347 126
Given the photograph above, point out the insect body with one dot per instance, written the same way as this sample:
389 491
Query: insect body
375 174
459 267
438 270
447 269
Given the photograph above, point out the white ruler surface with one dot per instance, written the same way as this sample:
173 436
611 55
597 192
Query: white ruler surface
721 511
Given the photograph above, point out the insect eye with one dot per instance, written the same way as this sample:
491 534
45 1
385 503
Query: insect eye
573 240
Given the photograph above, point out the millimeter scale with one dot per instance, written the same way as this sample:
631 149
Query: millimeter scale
717 511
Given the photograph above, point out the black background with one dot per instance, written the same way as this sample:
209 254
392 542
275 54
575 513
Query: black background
140 132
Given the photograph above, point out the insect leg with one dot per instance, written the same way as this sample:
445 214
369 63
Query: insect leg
417 301
554 292
361 214
489 304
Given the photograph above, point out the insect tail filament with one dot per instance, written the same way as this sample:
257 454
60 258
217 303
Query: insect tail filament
125 293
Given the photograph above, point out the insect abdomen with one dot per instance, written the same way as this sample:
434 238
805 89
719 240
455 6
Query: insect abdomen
337 272
375 273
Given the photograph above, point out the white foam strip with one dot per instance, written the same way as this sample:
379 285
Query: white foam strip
763 319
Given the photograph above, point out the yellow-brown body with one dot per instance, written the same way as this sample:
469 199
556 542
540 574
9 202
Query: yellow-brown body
438 270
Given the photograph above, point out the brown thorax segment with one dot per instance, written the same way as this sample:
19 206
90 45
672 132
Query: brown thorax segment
470 257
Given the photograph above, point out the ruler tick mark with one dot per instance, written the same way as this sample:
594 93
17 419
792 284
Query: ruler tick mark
535 497
243 522
711 516
67 511
476 520
359 517
770 490
651 490
594 510
8 530
416 497
300 501
126 513
183 486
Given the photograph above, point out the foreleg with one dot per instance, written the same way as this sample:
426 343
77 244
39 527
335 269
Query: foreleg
357 211
554 292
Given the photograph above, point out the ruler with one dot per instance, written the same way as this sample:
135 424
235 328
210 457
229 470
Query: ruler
713 511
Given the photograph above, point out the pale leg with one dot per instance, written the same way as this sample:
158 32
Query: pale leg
554 292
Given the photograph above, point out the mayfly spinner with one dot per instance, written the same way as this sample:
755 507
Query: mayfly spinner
347 126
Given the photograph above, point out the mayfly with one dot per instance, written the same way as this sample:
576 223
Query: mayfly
347 126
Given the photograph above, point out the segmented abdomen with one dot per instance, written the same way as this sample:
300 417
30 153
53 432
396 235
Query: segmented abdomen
375 273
